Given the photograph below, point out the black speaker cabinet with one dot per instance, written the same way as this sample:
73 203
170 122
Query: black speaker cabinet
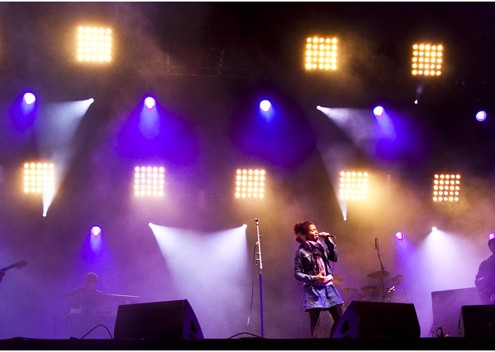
171 320
478 321
378 319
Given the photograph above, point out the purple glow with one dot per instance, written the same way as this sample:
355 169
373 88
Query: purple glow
491 236
95 240
149 102
481 115
95 231
399 235
27 103
265 105
29 98
378 111
266 110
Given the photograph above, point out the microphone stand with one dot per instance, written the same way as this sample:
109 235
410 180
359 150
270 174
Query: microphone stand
258 243
382 269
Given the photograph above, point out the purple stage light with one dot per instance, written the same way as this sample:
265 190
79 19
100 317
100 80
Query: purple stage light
29 98
28 103
491 236
378 111
265 105
399 235
95 241
95 231
481 115
149 102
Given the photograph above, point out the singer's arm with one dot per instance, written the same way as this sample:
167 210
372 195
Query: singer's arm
305 269
332 253
327 237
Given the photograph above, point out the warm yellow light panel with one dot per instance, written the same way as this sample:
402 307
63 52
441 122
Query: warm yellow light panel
94 44
427 59
353 185
149 181
39 178
250 183
320 54
446 187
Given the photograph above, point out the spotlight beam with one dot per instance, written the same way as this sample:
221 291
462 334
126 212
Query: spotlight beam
56 127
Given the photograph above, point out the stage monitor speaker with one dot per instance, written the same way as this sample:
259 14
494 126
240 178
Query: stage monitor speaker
478 321
378 320
171 320
447 305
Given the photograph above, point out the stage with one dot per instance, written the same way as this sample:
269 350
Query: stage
450 343
172 325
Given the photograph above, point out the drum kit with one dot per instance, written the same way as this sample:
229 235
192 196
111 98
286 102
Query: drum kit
372 292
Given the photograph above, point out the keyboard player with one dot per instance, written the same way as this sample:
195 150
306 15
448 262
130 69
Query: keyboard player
89 307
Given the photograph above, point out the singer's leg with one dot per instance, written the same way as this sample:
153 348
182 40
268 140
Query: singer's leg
336 312
314 317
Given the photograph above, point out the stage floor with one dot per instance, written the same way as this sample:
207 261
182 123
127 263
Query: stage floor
448 343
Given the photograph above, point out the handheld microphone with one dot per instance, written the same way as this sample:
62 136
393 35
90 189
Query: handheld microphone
326 234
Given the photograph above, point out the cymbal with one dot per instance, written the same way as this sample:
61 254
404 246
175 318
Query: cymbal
397 278
337 280
348 291
368 288
378 274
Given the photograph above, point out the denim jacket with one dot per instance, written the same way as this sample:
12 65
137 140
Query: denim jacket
306 266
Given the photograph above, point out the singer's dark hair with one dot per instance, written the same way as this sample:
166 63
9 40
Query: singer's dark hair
302 228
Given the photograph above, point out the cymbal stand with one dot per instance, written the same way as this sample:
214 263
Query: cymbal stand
392 288
382 269
258 244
